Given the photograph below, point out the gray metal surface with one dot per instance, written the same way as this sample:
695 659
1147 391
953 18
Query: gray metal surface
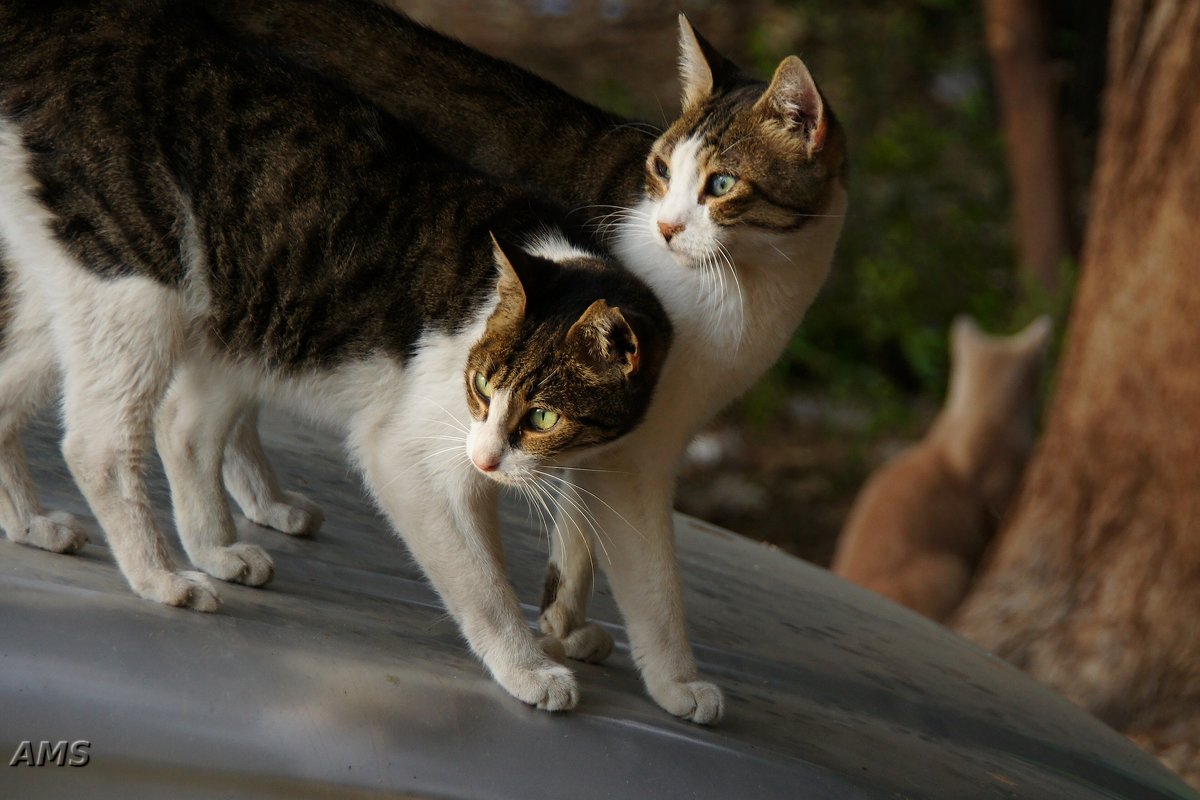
345 678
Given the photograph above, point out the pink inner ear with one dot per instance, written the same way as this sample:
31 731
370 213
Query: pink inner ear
792 96
635 361
805 112
817 137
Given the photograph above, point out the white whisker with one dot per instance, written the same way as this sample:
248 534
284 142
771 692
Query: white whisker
447 424
531 507
727 257
445 410
589 518
785 255
593 494
565 514
590 469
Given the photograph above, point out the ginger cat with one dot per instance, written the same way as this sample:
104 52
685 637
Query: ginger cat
920 524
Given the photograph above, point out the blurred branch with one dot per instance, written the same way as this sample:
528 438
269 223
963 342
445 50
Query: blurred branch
1028 88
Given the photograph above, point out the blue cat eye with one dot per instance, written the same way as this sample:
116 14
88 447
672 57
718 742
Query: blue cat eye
541 419
720 184
483 386
662 169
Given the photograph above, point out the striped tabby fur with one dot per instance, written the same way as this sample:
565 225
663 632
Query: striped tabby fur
735 271
192 226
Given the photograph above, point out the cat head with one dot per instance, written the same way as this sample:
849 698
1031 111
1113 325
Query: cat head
997 377
744 157
568 361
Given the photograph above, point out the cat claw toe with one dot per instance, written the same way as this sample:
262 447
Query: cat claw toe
242 563
589 643
698 701
57 531
549 686
296 515
181 589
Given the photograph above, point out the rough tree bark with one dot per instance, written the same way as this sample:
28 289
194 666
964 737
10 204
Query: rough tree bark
1016 33
1094 584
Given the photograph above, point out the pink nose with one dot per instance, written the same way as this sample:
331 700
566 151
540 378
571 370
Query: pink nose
668 229
485 463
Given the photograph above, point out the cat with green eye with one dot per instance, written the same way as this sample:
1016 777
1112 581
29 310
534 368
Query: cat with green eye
207 229
731 215
538 419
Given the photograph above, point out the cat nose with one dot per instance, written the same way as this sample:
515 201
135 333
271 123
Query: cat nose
669 229
486 463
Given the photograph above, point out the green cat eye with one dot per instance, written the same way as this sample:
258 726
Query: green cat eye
720 184
483 385
662 169
542 420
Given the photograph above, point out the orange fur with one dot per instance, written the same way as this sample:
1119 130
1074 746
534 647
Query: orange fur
921 523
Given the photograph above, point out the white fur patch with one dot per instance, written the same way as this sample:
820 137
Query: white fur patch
552 245
122 342
684 189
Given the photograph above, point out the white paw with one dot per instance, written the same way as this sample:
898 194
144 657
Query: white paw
549 686
57 531
183 589
589 642
298 516
239 563
698 701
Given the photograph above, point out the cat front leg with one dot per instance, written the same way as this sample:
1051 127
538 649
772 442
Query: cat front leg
447 517
630 503
192 426
252 482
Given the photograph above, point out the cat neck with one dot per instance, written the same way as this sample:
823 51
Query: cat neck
728 331
986 451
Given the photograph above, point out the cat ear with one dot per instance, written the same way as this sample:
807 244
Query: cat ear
1035 336
701 67
520 274
964 334
695 76
794 99
608 337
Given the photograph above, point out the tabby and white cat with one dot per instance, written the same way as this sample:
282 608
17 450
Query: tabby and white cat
190 227
731 215
921 523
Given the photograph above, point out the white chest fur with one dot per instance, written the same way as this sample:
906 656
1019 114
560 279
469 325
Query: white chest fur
732 315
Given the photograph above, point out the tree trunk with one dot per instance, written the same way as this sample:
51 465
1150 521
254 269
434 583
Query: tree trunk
1094 584
1016 32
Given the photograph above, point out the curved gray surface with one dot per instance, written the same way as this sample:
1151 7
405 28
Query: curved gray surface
345 678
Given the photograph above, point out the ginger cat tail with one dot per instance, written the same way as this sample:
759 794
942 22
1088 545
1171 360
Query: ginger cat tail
920 524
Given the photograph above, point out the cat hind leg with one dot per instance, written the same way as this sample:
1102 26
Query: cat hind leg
252 482
569 577
28 379
191 429
120 341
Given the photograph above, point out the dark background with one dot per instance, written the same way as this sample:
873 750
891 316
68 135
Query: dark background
927 237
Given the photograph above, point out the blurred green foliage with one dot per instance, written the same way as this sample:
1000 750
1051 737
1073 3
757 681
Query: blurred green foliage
927 236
